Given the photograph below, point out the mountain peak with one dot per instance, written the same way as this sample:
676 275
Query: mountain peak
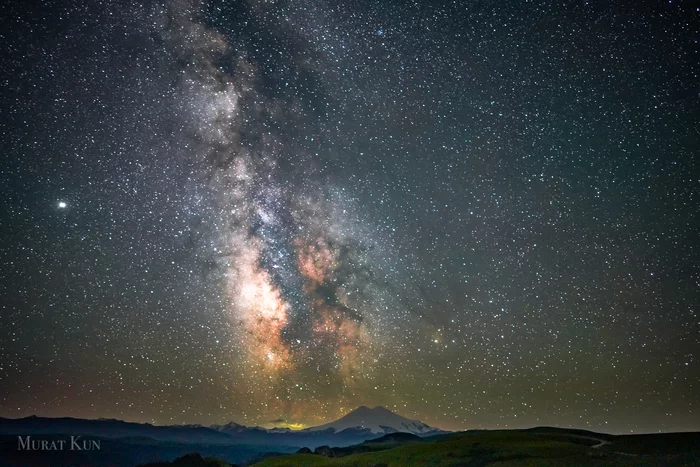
378 419
230 428
375 409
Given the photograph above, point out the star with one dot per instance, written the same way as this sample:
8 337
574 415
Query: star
465 207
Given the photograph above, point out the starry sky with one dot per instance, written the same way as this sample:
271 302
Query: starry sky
479 214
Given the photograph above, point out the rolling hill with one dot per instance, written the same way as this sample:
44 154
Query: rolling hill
535 447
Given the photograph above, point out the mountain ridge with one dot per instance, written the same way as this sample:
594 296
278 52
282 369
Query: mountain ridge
359 425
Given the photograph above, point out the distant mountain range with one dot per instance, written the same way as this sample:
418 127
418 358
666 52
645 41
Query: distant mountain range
359 425
110 428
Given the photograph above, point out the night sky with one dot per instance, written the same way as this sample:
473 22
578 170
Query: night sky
479 214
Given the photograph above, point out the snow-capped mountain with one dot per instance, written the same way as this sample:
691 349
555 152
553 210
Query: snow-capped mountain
378 420
230 428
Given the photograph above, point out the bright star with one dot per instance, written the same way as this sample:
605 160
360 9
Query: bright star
62 204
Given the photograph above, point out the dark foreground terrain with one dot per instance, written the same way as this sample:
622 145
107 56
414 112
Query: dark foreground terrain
126 452
534 447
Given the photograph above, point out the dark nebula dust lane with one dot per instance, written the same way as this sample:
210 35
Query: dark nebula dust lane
479 215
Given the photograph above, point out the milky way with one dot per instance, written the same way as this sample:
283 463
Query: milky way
476 214
300 284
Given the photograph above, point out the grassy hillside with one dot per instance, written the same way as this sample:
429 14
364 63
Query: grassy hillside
541 447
